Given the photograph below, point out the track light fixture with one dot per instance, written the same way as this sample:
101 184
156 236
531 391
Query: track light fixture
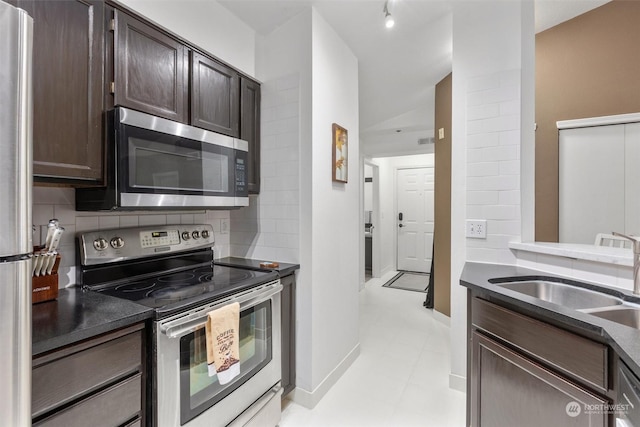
388 19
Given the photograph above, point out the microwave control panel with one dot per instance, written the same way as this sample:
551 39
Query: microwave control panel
104 246
240 175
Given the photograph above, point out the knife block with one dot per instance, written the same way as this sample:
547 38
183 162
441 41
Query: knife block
45 288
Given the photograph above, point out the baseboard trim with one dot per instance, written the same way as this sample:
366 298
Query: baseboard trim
442 318
386 270
457 382
310 399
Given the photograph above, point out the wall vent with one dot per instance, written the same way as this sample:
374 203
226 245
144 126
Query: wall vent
423 141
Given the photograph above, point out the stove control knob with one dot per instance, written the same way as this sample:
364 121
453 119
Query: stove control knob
205 234
117 242
100 244
186 235
196 234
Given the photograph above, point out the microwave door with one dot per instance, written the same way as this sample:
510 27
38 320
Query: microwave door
165 170
154 163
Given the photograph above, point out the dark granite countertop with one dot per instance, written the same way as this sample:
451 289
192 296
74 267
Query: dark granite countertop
624 340
283 270
77 315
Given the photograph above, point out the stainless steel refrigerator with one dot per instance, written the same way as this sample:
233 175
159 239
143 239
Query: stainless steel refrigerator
16 29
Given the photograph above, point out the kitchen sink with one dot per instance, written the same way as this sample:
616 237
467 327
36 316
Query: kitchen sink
564 295
625 316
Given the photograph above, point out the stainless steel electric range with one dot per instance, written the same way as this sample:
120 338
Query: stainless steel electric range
170 269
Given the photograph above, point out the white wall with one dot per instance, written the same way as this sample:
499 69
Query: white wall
492 63
387 193
336 216
206 24
307 51
368 188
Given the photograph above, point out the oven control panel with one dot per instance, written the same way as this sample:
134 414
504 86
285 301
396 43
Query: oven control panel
105 246
150 239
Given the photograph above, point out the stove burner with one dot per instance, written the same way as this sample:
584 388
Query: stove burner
135 286
206 278
205 274
177 292
177 277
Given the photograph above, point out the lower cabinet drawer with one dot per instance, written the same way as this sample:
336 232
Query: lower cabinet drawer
111 407
577 356
67 375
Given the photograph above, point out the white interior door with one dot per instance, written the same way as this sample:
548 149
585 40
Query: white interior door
415 218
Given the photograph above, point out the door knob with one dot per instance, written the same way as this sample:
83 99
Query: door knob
400 225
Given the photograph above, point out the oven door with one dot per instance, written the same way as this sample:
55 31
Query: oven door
185 394
164 163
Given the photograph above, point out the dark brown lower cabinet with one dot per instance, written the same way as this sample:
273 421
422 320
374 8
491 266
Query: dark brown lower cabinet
525 372
511 390
288 313
97 382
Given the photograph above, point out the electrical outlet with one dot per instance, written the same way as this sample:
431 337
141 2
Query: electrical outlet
224 226
477 228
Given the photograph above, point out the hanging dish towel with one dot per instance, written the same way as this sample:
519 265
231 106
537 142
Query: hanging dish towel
223 349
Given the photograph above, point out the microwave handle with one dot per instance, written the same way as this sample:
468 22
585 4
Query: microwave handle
197 320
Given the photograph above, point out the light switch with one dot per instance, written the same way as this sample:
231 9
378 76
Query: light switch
441 133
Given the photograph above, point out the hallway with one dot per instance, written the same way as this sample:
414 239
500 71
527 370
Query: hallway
401 376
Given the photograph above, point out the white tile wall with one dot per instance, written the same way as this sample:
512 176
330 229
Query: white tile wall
60 203
269 228
615 276
493 163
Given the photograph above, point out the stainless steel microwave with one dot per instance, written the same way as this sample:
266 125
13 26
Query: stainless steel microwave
158 164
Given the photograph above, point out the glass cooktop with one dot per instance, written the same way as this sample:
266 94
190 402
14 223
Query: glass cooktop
169 293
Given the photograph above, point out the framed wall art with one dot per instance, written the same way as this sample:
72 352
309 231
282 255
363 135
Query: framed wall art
339 155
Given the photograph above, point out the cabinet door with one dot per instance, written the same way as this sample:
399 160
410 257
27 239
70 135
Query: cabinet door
214 96
149 70
68 55
508 389
250 130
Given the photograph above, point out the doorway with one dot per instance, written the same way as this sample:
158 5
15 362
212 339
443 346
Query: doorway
415 218
371 221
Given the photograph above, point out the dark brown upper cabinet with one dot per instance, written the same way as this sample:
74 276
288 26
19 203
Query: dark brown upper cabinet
68 53
149 70
250 130
214 96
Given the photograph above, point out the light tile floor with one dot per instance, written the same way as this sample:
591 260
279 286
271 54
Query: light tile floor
401 376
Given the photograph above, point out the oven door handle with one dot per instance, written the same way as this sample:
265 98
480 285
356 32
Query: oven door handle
194 321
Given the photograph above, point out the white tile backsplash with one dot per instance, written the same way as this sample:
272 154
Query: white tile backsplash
269 228
610 275
481 140
483 197
483 169
493 163
50 202
108 222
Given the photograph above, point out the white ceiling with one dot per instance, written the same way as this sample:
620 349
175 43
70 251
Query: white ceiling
398 67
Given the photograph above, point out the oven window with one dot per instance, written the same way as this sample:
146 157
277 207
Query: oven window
199 391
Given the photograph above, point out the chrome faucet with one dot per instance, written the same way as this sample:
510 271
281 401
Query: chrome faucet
636 260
